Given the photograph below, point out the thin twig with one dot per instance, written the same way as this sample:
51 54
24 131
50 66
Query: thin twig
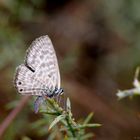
12 115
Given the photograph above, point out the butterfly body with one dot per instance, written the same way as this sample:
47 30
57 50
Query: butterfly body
52 93
39 74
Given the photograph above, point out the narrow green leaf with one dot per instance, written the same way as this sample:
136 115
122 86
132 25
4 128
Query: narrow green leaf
136 82
83 126
137 73
88 118
49 112
68 105
87 125
87 136
56 120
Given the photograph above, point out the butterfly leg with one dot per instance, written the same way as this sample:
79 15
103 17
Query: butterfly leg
39 100
58 99
64 101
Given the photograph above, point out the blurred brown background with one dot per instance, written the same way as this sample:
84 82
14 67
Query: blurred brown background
98 49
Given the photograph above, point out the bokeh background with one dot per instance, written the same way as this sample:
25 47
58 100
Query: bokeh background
98 49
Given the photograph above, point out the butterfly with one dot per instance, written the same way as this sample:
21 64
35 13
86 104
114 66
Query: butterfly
39 74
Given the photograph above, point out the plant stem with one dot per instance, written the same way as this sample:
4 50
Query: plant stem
68 119
70 126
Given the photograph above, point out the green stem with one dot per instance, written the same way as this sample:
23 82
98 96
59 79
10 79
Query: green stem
61 111
70 126
55 106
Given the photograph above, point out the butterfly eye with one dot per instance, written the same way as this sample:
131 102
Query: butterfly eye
19 83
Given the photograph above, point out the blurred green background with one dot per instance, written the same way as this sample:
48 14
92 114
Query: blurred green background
98 49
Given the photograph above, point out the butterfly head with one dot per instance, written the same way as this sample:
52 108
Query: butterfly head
58 91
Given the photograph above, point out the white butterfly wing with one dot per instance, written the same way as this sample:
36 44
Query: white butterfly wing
40 70
26 83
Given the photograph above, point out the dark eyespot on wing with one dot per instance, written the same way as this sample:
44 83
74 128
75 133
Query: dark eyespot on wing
19 83
22 80
21 90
